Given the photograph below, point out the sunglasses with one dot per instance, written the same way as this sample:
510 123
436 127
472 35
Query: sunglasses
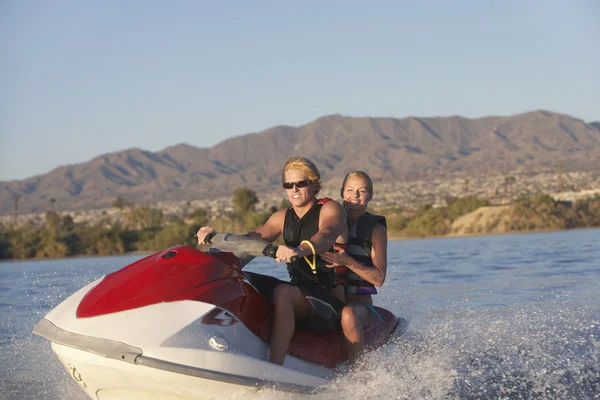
299 184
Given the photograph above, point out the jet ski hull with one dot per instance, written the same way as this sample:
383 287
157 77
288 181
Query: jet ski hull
200 337
107 379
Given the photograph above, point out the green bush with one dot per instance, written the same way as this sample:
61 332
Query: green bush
145 228
464 205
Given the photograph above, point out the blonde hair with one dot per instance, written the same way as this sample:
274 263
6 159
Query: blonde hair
306 166
358 174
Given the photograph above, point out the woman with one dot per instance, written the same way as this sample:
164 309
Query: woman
309 227
365 259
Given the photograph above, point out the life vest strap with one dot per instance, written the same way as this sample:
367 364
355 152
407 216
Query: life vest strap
312 263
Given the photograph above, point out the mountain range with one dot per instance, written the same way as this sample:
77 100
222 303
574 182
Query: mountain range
389 149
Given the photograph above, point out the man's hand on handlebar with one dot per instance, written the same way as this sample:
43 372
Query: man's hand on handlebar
204 234
289 254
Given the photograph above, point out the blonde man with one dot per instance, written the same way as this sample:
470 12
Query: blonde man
309 227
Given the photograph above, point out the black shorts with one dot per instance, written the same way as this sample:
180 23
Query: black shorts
326 308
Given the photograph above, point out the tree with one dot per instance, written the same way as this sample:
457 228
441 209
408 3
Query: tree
560 177
284 204
509 181
430 222
465 205
199 217
244 200
16 198
186 208
144 218
66 223
171 235
253 220
119 203
53 223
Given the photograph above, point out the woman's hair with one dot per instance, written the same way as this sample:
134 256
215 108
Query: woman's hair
306 166
358 174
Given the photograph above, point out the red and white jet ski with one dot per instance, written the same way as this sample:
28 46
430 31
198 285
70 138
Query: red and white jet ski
187 324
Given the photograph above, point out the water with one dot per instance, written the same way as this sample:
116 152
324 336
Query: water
496 317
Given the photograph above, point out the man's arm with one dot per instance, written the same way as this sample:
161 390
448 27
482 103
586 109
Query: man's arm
271 230
332 223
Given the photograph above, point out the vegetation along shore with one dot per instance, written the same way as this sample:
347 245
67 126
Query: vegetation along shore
131 228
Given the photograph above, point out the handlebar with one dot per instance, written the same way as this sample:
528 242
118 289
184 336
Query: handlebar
207 238
271 251
245 246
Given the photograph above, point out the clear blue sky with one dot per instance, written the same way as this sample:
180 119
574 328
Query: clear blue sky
83 78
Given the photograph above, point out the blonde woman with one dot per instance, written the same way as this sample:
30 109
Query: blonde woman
365 259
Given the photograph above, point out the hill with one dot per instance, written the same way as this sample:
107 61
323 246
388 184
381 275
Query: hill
389 149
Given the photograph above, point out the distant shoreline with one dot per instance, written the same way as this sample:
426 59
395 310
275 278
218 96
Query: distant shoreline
391 238
468 235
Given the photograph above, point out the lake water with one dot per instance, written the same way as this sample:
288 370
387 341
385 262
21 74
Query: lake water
508 316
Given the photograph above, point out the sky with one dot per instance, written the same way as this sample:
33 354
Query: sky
79 79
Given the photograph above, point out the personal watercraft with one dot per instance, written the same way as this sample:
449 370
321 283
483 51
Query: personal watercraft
188 324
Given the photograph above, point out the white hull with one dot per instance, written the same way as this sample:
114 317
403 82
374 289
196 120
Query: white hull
131 355
106 379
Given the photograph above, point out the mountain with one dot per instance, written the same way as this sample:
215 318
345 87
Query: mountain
388 148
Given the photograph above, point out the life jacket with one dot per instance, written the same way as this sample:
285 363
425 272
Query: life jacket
359 247
295 230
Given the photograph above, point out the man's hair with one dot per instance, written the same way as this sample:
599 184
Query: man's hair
306 166
358 174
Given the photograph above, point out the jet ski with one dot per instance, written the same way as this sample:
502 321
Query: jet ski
188 324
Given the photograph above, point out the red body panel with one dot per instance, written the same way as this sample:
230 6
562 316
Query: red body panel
155 279
329 348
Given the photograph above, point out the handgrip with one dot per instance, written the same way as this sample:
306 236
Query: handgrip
271 251
207 238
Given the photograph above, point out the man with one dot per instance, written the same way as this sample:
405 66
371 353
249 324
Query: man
309 227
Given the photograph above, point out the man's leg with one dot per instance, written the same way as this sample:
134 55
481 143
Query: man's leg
355 317
265 284
290 306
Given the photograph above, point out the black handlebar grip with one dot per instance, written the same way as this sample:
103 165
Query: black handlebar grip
207 238
210 236
270 250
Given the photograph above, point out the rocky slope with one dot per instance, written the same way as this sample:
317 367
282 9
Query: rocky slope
389 149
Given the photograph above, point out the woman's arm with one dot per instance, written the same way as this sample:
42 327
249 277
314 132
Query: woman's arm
376 274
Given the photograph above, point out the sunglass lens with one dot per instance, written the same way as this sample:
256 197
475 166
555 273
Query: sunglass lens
299 184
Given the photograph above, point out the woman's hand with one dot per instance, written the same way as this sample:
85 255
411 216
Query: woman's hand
203 233
336 259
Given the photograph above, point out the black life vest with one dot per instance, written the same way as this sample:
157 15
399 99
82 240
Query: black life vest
359 247
295 230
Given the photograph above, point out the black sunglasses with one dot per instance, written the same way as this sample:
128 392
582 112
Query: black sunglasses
299 184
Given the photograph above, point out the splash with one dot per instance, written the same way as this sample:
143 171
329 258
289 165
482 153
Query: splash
519 353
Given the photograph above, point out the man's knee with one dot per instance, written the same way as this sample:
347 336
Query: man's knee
285 294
